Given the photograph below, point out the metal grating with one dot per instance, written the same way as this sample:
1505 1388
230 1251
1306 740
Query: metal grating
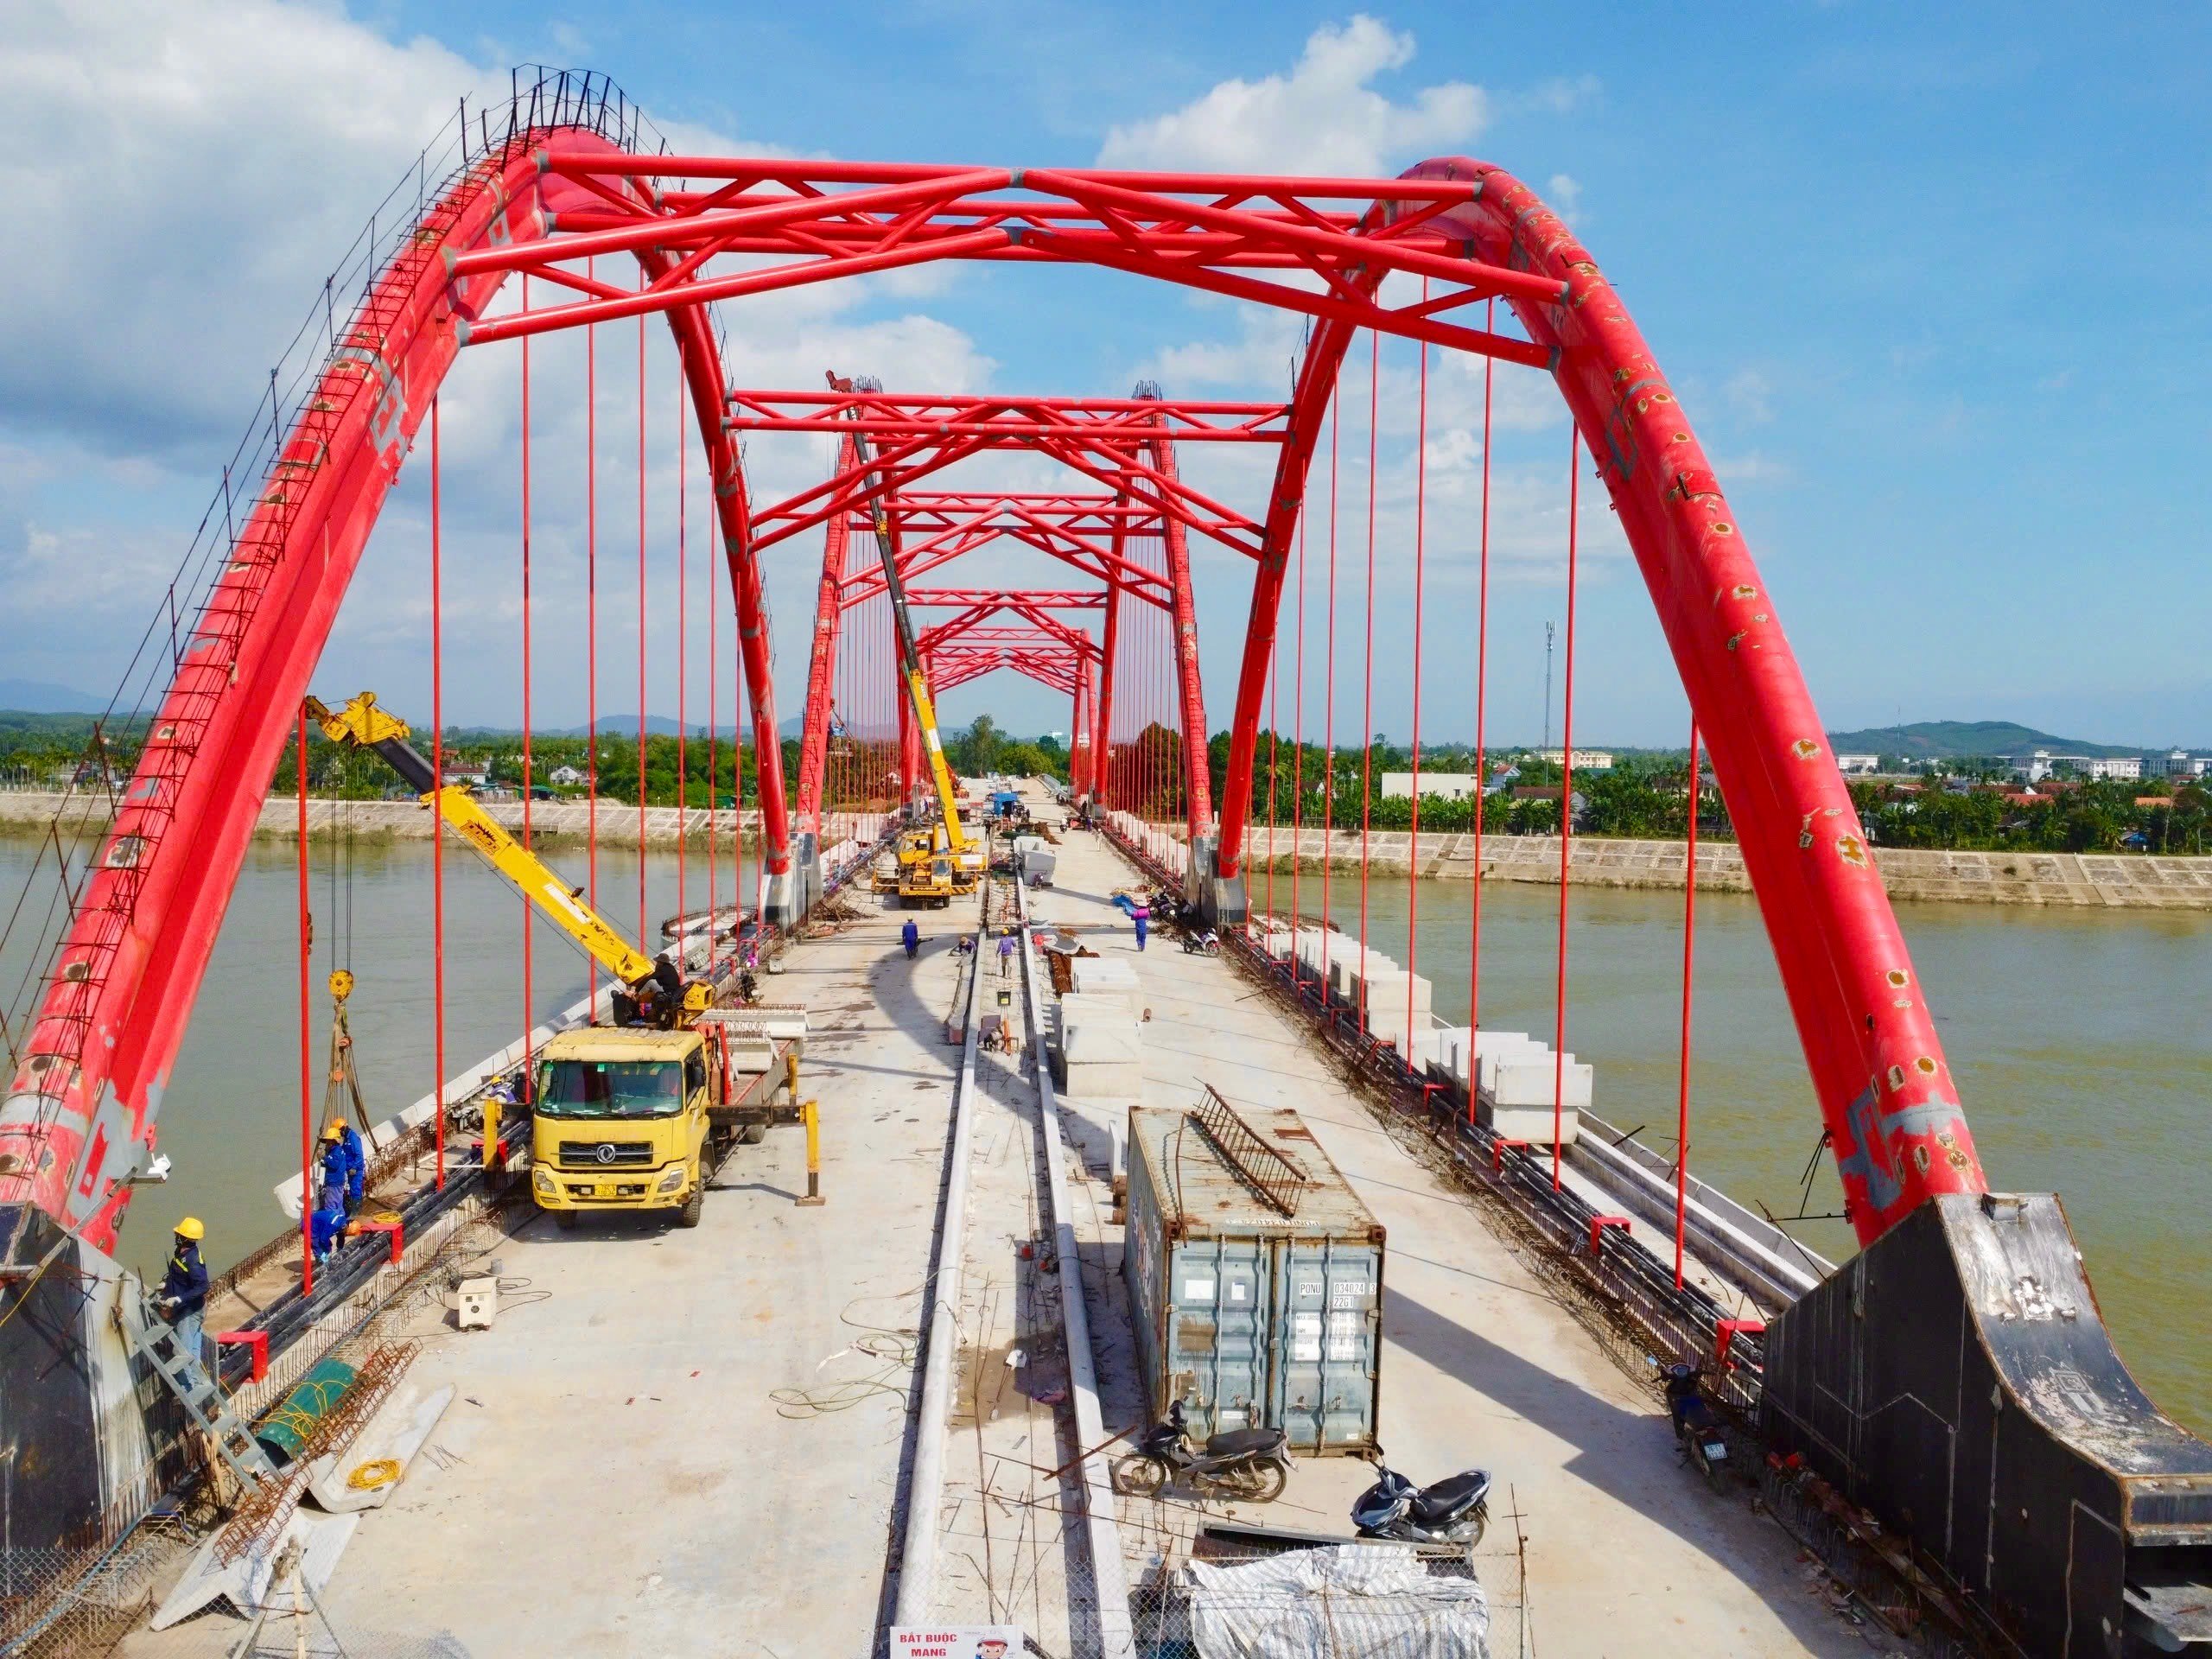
1277 1180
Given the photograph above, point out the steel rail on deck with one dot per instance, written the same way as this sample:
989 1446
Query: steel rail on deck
925 1485
1101 1518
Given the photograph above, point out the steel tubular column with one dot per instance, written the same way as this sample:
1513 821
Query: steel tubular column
1198 783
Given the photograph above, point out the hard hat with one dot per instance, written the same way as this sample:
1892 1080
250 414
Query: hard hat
190 1228
334 1129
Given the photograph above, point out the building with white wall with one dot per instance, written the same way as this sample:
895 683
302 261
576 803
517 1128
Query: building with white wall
1585 760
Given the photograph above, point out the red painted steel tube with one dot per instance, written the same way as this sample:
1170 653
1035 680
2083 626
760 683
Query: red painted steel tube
1298 744
1367 665
683 639
529 776
1565 799
829 611
1198 780
308 1193
1689 959
714 738
1421 572
1329 710
643 937
591 630
1482 710
438 778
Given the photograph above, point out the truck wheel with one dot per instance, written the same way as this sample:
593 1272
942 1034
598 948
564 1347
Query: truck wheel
565 1220
688 1215
750 1134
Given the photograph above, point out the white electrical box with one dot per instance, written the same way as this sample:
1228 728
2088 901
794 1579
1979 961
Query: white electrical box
478 1300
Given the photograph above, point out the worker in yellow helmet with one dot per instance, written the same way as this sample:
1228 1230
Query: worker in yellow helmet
183 1300
356 1161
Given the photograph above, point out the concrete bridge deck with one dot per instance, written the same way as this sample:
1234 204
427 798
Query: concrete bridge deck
692 1442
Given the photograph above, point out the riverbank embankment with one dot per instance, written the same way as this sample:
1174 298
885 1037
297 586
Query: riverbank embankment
620 824
2107 881
2084 880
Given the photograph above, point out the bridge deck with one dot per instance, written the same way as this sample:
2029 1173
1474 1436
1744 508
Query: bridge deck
617 1473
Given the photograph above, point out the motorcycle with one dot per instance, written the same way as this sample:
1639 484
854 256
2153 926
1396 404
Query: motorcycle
1454 1510
1252 1464
1205 944
1698 1432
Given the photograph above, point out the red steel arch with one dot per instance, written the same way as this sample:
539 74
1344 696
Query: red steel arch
133 959
128 967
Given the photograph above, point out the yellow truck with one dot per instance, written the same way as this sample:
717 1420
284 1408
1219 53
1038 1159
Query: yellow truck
632 1115
626 1117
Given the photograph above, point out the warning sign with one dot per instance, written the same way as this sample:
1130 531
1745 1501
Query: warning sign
958 1641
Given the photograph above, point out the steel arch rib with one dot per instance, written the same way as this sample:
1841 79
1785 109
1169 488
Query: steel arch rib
128 969
1888 1101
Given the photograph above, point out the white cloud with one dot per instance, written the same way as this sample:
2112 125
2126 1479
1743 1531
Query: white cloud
1563 193
1751 396
196 170
1325 117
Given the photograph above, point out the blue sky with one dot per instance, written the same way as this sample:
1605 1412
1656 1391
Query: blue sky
1929 282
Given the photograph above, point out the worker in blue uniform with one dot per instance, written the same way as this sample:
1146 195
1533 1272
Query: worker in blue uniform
183 1300
326 1226
911 937
356 1161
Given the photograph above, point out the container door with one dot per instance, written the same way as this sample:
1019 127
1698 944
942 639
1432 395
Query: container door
1328 1326
1218 1297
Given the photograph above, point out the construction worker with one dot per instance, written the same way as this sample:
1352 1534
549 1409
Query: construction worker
183 1301
356 1161
326 1226
330 1159
1005 954
1140 913
911 937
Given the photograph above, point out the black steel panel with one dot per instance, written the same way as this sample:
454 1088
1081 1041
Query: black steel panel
1957 1380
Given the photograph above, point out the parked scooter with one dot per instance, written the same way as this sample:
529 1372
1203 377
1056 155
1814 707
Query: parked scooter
1697 1430
1202 943
1244 1462
1454 1510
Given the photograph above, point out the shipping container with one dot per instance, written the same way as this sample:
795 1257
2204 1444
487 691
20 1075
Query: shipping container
1247 1315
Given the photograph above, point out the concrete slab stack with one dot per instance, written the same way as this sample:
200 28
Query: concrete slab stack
1098 1032
1397 1006
1515 1083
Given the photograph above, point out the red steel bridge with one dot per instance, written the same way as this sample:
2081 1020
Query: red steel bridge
565 203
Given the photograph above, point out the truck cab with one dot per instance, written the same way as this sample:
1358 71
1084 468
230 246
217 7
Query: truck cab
621 1120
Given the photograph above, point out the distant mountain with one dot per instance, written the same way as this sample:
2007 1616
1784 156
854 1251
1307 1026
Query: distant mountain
1951 740
44 697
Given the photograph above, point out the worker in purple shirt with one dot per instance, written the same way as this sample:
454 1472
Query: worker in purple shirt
1141 915
1006 955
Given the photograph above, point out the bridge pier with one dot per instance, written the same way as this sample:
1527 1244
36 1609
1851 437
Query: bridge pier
1221 900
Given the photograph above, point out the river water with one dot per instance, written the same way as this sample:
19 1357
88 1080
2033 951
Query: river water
2079 1040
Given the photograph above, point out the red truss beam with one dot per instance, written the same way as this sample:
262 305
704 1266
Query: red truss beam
1301 244
1079 531
941 598
1111 447
1056 670
1125 423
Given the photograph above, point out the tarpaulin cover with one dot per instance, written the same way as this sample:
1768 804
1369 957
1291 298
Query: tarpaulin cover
1357 1601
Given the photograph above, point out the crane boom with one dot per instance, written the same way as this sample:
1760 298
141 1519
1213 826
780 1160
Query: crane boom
909 656
361 725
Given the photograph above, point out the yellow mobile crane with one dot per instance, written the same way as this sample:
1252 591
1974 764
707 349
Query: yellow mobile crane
937 862
630 1116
